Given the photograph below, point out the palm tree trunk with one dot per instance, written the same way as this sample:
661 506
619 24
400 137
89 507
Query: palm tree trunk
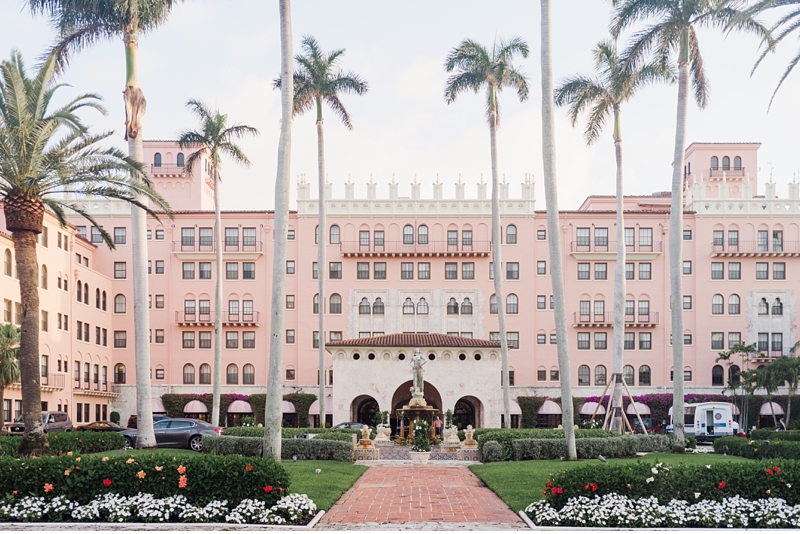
3 406
676 245
554 241
497 268
273 412
321 271
135 107
616 422
34 440
217 384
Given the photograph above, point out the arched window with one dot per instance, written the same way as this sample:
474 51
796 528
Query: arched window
364 307
80 291
466 307
316 303
600 375
734 305
97 298
422 306
104 301
726 163
232 374
205 374
335 305
733 374
408 235
188 374
120 304
335 235
157 159
717 305
452 307
119 374
628 374
316 235
377 307
86 294
493 304
181 160
7 262
583 375
408 307
644 375
717 376
714 163
763 307
512 304
777 307
422 235
44 276
737 163
248 374
511 234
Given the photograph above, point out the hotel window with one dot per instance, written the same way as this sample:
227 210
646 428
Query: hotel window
159 266
687 339
378 239
289 302
512 304
645 271
188 340
717 305
119 236
408 235
159 301
290 375
249 237
687 235
763 241
97 237
600 340
452 307
105 337
335 235
734 338
541 302
424 271
335 305
406 270
584 375
205 374
248 340
717 341
290 337
188 270
45 321
513 340
452 238
290 234
362 269
422 235
231 340
734 270
316 304
733 238
315 340
160 335
734 305
466 309
512 270
553 339
120 270
378 307
777 342
762 271
493 304
451 271
599 309
541 235
160 234
717 270
719 238
644 375
779 271
554 375
205 339
248 374
466 237
600 375
379 270
645 238
629 342
314 271
231 270
630 271
645 340
541 267
232 374
777 241
205 270
248 270
687 267
120 304
120 339
422 307
541 339
149 235
408 307
583 341
601 237
335 270
583 271
206 237
81 231
364 307
187 237
582 237
687 375
601 271
585 307
468 271
232 238
630 238
363 238
687 302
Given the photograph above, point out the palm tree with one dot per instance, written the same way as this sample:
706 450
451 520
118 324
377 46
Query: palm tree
273 412
48 157
319 79
672 30
80 24
603 97
551 199
9 363
214 139
477 68
743 378
787 369
768 380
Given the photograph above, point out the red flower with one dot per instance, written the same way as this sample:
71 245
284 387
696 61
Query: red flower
280 489
769 472
557 491
594 486
106 482
267 489
248 467
777 469
586 486
59 453
548 485
721 485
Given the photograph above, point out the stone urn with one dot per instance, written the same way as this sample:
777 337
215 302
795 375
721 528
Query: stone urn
419 458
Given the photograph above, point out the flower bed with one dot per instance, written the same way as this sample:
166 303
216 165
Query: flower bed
80 442
614 510
757 449
291 509
691 483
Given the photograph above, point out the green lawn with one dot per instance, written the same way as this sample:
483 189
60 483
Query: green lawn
326 487
520 483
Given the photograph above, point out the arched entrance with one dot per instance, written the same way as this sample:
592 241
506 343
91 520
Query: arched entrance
468 411
402 396
363 410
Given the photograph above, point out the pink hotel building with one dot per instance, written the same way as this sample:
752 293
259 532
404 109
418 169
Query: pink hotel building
412 264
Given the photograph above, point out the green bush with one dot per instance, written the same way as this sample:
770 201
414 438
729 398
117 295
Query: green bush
773 435
240 445
114 417
492 452
757 450
550 449
336 436
505 436
653 442
207 477
692 483
317 449
290 433
422 431
80 442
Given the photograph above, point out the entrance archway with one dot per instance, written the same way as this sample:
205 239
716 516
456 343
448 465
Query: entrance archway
363 410
402 396
468 411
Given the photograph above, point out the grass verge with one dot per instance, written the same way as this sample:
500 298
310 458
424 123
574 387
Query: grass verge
326 487
520 483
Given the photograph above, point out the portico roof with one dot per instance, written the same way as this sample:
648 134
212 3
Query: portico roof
416 340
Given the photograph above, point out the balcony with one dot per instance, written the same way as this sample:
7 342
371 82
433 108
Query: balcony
167 170
728 173
606 320
202 245
766 355
745 249
611 246
401 249
92 388
241 319
207 319
53 382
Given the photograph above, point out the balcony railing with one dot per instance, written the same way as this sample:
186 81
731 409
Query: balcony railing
194 318
167 169
202 245
607 319
431 248
611 246
756 248
52 380
240 318
718 173
186 318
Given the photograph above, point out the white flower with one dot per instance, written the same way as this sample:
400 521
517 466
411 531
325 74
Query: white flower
654 470
696 494
708 467
649 480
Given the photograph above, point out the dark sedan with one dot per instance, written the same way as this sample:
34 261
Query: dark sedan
101 426
177 433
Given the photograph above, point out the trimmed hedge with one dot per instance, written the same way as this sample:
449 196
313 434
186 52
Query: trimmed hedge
205 477
289 433
492 452
550 449
305 449
692 483
79 442
505 436
773 435
233 445
757 450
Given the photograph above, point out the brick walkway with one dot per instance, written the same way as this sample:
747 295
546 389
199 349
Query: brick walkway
423 494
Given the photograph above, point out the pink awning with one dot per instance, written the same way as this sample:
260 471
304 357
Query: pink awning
158 405
314 409
767 410
549 408
195 406
515 409
643 409
288 407
240 406
588 408
735 409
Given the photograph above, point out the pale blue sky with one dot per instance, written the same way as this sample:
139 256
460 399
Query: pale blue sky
226 52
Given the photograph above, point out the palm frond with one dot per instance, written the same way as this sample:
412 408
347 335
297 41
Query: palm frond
465 81
700 85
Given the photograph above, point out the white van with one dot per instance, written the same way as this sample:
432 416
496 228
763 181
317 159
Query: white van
707 421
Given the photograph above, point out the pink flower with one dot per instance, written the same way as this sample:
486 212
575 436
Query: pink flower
181 470
159 467
105 458
48 487
140 474
69 453
182 482
66 473
130 461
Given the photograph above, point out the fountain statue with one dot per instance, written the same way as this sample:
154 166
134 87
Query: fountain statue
469 442
418 383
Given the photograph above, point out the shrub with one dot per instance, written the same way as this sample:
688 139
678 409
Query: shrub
422 441
505 436
317 449
749 480
201 478
114 417
242 446
492 452
773 435
336 436
653 442
289 433
550 449
756 449
80 442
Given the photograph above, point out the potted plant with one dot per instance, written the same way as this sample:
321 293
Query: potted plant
383 430
421 449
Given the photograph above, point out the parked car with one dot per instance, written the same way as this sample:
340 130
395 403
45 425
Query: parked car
177 433
132 423
52 422
354 425
101 426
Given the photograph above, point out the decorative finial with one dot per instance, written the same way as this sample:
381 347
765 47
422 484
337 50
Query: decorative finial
481 177
437 177
459 177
